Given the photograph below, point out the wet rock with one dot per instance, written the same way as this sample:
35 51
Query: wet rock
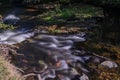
76 77
82 67
86 58
96 59
61 65
48 74
77 39
82 34
43 65
109 64
74 71
71 73
62 77
65 78
43 31
84 77
11 19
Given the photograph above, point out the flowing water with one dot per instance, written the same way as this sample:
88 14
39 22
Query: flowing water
49 57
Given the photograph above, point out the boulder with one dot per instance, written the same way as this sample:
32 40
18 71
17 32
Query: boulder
109 64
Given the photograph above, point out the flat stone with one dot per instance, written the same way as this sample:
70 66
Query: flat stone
109 64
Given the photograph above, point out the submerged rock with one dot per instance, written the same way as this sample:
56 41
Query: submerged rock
109 64
61 65
48 74
84 77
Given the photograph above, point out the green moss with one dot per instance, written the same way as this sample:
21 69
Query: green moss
5 26
47 18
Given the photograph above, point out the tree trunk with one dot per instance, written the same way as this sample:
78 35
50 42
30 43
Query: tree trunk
111 27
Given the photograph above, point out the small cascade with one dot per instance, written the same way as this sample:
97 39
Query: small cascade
14 37
47 56
56 57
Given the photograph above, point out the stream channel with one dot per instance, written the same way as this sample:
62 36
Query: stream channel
45 56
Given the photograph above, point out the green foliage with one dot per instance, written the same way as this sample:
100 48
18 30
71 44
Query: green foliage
74 11
31 1
65 1
68 12
111 2
5 26
114 2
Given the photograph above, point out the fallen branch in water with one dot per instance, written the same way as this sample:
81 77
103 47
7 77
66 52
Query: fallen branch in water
19 69
101 56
